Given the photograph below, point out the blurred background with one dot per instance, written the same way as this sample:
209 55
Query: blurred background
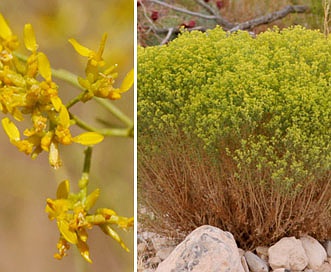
28 238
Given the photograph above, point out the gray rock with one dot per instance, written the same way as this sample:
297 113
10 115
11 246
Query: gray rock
327 246
255 263
315 252
288 253
206 249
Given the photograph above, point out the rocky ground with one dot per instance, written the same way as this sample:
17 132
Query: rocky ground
209 249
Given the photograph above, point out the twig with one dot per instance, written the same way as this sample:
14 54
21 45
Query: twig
271 17
218 18
167 38
182 10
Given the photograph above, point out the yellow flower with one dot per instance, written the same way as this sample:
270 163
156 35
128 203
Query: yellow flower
71 211
38 138
8 41
98 83
94 57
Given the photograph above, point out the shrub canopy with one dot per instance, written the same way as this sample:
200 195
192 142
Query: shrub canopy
266 101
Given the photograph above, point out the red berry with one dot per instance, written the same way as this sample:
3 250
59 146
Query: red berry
206 1
220 4
155 15
191 23
138 3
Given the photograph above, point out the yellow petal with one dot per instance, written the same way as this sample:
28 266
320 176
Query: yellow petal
44 67
109 231
46 140
5 31
56 102
102 46
11 129
30 38
88 138
91 199
114 95
127 81
63 189
54 157
80 49
84 250
67 233
64 118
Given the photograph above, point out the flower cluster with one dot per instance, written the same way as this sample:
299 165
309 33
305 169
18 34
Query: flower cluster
266 99
22 93
28 90
73 219
98 83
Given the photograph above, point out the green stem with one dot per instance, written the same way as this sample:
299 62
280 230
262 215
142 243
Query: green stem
119 132
115 111
83 182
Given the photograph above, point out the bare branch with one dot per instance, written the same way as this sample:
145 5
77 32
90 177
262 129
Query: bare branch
182 10
218 18
271 17
176 30
167 38
206 6
226 25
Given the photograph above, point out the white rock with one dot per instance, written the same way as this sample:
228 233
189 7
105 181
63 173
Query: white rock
288 253
206 249
325 267
315 252
255 263
281 270
244 263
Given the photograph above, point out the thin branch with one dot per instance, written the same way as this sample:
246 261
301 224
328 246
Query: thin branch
177 30
182 10
206 6
167 38
118 132
271 17
218 18
241 26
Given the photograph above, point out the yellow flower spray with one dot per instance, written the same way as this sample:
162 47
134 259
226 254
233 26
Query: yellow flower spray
27 90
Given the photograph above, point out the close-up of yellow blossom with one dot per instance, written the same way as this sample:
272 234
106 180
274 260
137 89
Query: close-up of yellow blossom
59 100
71 212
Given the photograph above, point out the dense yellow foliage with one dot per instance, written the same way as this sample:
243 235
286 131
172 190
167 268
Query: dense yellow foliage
265 101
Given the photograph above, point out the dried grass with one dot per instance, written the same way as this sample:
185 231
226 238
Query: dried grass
185 188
